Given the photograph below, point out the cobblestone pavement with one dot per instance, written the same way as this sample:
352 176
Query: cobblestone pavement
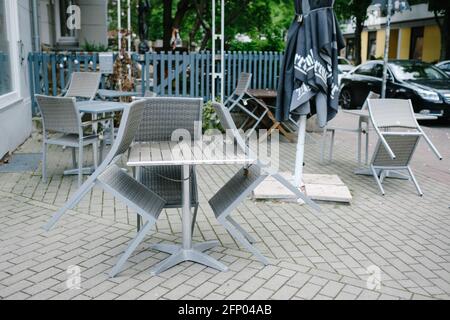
313 255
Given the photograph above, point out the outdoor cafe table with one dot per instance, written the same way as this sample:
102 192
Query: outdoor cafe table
364 117
115 94
186 155
96 108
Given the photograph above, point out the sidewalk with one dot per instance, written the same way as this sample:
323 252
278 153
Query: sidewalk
314 255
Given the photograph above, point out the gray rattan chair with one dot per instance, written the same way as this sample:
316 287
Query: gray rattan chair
60 116
84 85
332 130
399 134
115 181
241 186
240 98
162 117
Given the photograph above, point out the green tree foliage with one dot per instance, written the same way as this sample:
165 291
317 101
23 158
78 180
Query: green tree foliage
265 21
355 10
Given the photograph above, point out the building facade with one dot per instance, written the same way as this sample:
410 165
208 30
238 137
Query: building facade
30 25
415 34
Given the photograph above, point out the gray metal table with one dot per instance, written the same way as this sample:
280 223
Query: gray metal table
115 94
364 117
100 107
187 156
95 108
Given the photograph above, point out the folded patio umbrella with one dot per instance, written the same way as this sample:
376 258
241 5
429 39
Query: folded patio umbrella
309 77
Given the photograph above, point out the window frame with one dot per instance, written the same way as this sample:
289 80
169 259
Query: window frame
59 38
12 33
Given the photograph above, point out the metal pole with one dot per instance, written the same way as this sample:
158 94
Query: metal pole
213 84
300 157
222 53
119 23
129 35
129 27
386 49
36 36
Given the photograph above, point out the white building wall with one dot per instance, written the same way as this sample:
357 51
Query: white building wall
15 118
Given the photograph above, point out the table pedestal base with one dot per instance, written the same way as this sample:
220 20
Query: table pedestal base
180 255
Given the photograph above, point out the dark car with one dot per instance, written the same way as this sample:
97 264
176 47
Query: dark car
427 86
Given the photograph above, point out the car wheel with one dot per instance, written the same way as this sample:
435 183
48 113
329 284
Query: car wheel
345 99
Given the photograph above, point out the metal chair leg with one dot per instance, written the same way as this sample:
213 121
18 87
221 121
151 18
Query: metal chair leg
74 157
240 238
131 248
241 230
80 164
44 162
72 202
415 181
377 179
95 154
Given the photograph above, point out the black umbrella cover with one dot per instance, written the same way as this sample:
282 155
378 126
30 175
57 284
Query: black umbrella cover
309 76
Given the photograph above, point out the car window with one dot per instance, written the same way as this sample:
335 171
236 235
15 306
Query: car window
366 69
445 67
377 71
417 71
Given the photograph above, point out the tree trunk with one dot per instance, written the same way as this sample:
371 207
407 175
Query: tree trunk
192 34
167 23
206 38
358 47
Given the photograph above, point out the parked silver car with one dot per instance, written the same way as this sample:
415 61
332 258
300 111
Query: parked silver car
444 66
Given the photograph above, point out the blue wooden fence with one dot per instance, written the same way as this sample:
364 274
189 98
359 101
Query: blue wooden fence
166 74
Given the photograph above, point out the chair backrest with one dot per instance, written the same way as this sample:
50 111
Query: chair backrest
243 83
163 116
371 96
403 148
392 113
84 85
59 114
129 125
227 122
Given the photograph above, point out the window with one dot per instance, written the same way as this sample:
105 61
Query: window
445 67
350 50
366 70
417 71
372 46
416 49
64 34
378 71
6 83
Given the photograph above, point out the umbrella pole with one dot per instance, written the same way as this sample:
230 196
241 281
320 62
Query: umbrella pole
299 160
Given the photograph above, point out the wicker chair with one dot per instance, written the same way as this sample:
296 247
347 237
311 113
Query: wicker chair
162 117
228 198
332 130
114 180
83 85
60 115
240 98
395 149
